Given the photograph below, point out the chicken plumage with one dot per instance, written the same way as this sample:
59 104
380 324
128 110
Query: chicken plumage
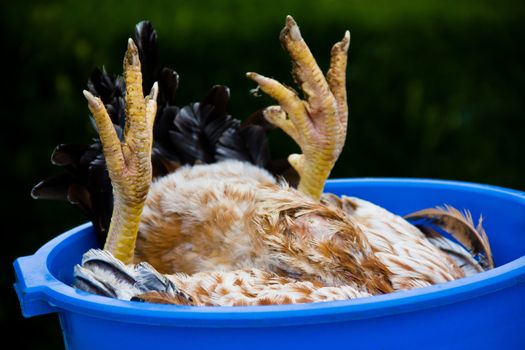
196 133
230 233
232 215
101 273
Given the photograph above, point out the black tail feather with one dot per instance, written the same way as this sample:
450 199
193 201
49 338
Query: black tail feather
101 273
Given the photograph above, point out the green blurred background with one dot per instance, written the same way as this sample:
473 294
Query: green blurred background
436 90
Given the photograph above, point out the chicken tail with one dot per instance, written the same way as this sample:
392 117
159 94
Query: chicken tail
476 257
103 274
463 259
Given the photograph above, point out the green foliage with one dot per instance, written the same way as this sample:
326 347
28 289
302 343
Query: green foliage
436 89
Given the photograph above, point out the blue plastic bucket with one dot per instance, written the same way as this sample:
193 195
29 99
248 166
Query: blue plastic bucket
485 311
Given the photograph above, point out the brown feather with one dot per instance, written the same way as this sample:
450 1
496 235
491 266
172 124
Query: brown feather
461 226
158 297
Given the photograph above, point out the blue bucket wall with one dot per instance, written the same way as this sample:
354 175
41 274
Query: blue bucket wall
484 311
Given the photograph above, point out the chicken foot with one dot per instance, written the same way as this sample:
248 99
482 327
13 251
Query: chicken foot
128 161
318 125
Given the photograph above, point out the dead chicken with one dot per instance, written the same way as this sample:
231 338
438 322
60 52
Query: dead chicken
231 233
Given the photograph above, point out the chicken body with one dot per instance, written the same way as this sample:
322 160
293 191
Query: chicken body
232 216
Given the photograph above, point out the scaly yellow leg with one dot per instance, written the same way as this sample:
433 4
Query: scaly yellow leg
128 162
318 125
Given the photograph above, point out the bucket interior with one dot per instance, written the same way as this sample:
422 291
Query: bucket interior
68 253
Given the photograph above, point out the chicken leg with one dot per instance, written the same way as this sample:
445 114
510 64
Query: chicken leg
318 125
128 161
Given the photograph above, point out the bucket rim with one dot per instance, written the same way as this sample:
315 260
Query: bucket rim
63 297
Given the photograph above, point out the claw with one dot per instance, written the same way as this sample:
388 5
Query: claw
128 162
277 116
336 77
317 125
